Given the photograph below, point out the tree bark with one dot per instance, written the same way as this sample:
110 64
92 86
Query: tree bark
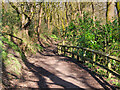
110 11
93 13
66 13
80 10
39 23
118 11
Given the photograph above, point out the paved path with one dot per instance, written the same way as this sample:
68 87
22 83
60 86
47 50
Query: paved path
47 70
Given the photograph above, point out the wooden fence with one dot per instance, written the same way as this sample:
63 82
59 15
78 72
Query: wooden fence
75 51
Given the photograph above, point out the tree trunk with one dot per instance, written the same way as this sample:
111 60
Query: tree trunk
118 11
93 13
3 8
48 22
39 23
40 15
66 13
110 11
109 18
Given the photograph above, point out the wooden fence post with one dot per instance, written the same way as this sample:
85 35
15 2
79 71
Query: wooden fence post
59 49
78 54
84 54
72 53
68 50
64 50
94 58
109 67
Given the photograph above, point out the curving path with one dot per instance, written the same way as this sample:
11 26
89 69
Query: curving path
47 70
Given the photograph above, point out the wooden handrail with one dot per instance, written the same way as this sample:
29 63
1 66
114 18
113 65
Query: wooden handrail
94 56
94 51
113 72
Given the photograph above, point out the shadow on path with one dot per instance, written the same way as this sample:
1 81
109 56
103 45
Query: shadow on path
40 72
97 77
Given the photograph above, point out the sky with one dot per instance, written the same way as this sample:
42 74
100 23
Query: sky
58 0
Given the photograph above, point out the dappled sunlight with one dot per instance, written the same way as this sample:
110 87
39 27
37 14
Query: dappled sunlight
57 74
60 45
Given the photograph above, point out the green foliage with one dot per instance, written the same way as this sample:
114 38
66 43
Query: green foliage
55 31
10 62
13 65
4 55
116 83
85 34
94 35
80 32
72 26
54 37
39 47
89 65
11 44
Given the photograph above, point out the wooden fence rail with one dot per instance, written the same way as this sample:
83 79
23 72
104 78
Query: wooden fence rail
65 49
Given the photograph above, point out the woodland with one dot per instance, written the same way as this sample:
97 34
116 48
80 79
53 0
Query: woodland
29 27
